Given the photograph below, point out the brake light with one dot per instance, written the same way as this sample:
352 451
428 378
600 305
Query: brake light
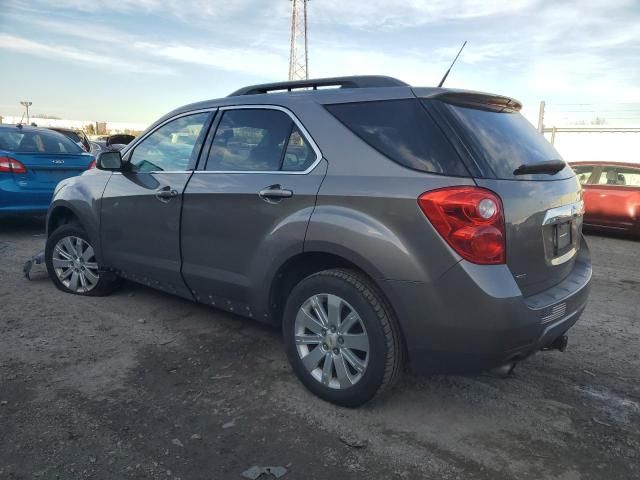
11 165
92 165
470 219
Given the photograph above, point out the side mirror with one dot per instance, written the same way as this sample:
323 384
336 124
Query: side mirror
109 160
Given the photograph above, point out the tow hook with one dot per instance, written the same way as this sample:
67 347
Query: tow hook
559 344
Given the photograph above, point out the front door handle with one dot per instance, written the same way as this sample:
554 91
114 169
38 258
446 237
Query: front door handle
275 193
165 194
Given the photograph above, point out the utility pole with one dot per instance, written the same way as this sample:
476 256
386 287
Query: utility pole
541 117
298 55
26 105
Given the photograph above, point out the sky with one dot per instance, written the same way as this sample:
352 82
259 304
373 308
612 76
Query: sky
134 60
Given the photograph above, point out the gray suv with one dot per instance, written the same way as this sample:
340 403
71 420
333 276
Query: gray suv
378 224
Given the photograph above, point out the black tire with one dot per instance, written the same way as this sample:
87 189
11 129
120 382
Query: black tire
385 345
107 282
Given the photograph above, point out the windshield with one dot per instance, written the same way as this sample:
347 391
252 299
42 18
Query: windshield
505 141
37 142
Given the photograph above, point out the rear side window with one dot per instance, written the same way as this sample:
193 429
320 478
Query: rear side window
504 140
403 131
260 140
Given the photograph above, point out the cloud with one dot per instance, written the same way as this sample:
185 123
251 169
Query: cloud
373 14
63 52
252 61
177 8
530 49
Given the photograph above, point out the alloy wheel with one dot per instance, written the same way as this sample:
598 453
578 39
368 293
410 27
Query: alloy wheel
75 265
331 340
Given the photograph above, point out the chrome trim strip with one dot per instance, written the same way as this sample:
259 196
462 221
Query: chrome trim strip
159 171
564 258
295 120
563 213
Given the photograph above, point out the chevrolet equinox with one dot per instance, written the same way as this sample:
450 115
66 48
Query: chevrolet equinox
378 224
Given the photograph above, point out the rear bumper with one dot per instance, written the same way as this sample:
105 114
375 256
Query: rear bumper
474 317
16 199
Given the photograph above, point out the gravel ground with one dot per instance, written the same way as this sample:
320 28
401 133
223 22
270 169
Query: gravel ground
145 385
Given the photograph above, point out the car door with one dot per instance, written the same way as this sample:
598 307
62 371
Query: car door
248 208
607 197
140 210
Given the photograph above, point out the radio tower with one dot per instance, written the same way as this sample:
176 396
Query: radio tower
299 55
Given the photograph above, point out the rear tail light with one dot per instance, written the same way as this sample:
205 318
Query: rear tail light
92 165
470 219
11 165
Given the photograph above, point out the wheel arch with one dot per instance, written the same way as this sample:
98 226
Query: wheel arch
60 214
63 212
304 264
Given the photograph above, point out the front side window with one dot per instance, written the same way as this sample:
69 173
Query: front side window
620 176
630 176
255 139
583 173
170 147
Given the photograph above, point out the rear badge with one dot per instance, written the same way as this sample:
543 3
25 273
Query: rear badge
57 161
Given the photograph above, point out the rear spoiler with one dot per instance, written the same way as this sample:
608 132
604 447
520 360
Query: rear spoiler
482 101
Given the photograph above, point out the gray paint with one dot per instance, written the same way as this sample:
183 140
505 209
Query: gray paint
219 243
232 237
82 196
140 234
529 243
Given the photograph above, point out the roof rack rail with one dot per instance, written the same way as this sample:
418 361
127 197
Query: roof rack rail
362 81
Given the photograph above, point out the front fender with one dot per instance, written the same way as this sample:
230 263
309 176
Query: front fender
81 196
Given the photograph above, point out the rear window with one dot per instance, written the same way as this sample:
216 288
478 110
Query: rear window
504 140
403 131
37 142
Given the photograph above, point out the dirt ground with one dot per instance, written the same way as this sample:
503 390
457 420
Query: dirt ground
145 385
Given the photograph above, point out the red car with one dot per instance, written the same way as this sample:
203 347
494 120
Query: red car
611 195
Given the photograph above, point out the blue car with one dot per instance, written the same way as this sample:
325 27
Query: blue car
32 162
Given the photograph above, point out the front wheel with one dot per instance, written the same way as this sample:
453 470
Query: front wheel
72 264
341 338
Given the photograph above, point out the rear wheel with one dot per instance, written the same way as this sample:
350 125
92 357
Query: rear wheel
341 338
72 264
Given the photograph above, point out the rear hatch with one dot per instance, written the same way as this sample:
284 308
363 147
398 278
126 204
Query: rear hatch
541 196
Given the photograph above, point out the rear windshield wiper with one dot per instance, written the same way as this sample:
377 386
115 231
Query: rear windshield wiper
551 167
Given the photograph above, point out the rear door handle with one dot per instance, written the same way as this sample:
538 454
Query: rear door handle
275 193
165 194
